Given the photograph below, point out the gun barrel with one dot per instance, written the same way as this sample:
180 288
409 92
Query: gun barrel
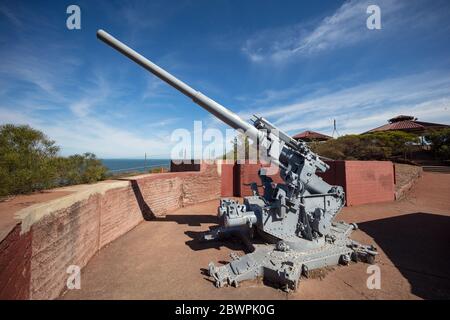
208 104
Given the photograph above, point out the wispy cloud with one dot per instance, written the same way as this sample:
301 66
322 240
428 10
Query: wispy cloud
344 27
55 89
5 11
97 90
54 79
359 108
90 134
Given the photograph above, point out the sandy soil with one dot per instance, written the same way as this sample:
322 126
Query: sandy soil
161 259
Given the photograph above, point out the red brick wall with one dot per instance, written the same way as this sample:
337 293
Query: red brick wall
155 195
69 236
35 266
203 186
119 213
15 261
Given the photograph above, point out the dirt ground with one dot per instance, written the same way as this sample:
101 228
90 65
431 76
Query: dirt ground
404 174
161 259
10 206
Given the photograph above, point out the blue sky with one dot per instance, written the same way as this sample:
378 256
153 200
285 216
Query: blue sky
300 64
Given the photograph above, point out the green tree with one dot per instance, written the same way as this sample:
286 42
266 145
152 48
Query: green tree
76 169
26 158
440 142
29 162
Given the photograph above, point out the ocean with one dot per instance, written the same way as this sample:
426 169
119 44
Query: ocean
133 165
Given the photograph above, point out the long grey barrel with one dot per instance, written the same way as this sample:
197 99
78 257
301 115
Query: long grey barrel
210 105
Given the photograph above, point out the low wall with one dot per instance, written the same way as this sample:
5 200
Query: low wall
53 235
369 182
248 173
68 231
15 265
363 181
229 179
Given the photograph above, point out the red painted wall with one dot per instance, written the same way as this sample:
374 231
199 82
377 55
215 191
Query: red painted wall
227 176
336 174
248 173
363 181
369 182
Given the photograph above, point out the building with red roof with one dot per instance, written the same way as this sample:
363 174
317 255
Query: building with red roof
309 136
408 124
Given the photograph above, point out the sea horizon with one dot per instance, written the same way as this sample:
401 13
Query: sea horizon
133 164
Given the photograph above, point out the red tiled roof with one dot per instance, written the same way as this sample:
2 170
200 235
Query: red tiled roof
311 135
407 125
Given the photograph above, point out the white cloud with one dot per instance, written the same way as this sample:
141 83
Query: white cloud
346 26
363 107
98 90
88 134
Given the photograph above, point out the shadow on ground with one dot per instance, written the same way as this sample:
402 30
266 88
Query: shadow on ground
194 220
418 244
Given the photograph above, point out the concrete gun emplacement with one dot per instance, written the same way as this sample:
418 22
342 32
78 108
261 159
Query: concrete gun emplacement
295 218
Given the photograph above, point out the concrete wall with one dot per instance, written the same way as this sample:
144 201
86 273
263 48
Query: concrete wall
68 231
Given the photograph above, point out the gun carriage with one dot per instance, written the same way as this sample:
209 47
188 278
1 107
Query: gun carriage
295 218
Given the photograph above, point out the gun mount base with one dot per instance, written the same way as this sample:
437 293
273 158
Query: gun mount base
278 264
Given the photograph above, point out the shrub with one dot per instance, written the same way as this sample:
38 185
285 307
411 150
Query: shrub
439 142
369 146
29 162
76 169
26 158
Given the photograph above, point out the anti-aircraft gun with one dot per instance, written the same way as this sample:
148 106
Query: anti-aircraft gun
295 218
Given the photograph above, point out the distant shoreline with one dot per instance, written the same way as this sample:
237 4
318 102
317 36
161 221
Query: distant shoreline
134 165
